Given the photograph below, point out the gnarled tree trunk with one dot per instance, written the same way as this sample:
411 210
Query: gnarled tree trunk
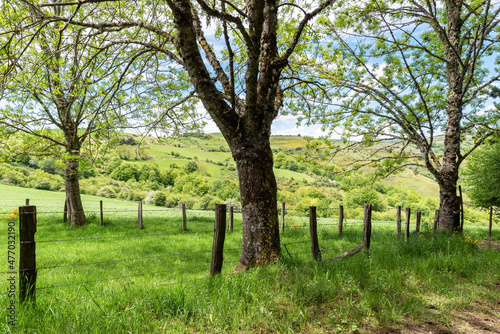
258 189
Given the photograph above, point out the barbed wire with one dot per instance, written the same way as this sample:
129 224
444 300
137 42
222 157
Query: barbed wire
115 237
109 261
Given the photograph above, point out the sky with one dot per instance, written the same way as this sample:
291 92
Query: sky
283 125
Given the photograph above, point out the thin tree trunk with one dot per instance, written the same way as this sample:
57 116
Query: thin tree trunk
75 206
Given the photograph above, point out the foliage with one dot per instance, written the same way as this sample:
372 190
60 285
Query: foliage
482 176
160 199
125 171
366 195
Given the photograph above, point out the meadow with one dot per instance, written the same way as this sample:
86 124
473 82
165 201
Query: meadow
117 278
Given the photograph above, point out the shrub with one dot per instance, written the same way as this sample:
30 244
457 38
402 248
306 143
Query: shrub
359 197
190 167
107 191
49 165
136 195
113 164
310 192
15 178
171 201
160 199
125 172
194 184
45 181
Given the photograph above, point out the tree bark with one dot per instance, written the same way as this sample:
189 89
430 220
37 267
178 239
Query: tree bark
449 218
258 189
75 206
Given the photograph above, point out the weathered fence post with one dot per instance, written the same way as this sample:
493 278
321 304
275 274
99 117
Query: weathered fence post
219 235
184 216
461 209
491 227
65 215
436 221
27 201
367 226
283 207
230 218
102 214
139 221
398 221
27 254
313 231
341 219
407 225
419 217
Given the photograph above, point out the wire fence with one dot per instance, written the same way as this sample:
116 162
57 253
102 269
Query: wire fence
173 266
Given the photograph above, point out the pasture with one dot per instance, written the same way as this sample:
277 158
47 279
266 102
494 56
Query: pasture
117 278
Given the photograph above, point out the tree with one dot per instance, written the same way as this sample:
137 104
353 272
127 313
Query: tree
242 87
400 75
67 86
482 176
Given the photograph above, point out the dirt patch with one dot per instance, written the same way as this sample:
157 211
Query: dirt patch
479 318
495 244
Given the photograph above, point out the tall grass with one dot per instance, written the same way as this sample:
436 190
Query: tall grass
160 283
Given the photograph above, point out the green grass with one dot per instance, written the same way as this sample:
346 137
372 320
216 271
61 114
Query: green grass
396 284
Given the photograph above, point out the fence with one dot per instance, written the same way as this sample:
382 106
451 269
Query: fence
28 270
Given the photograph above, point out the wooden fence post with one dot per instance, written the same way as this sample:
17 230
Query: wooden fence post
139 221
102 214
230 218
313 231
461 209
367 226
491 227
398 221
283 207
419 217
65 215
341 219
407 225
436 221
27 201
219 236
27 254
184 216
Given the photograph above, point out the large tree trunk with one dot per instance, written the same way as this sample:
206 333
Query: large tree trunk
258 189
73 198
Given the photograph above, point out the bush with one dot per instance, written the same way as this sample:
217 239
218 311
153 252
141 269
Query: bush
49 165
160 199
359 197
136 195
113 164
45 181
207 202
310 192
171 201
224 189
125 172
194 184
191 167
15 178
107 191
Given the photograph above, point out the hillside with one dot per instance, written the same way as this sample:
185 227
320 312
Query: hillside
211 151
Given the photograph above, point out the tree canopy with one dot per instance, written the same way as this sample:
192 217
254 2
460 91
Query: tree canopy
409 74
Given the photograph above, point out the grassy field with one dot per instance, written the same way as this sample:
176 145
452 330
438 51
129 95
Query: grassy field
119 279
